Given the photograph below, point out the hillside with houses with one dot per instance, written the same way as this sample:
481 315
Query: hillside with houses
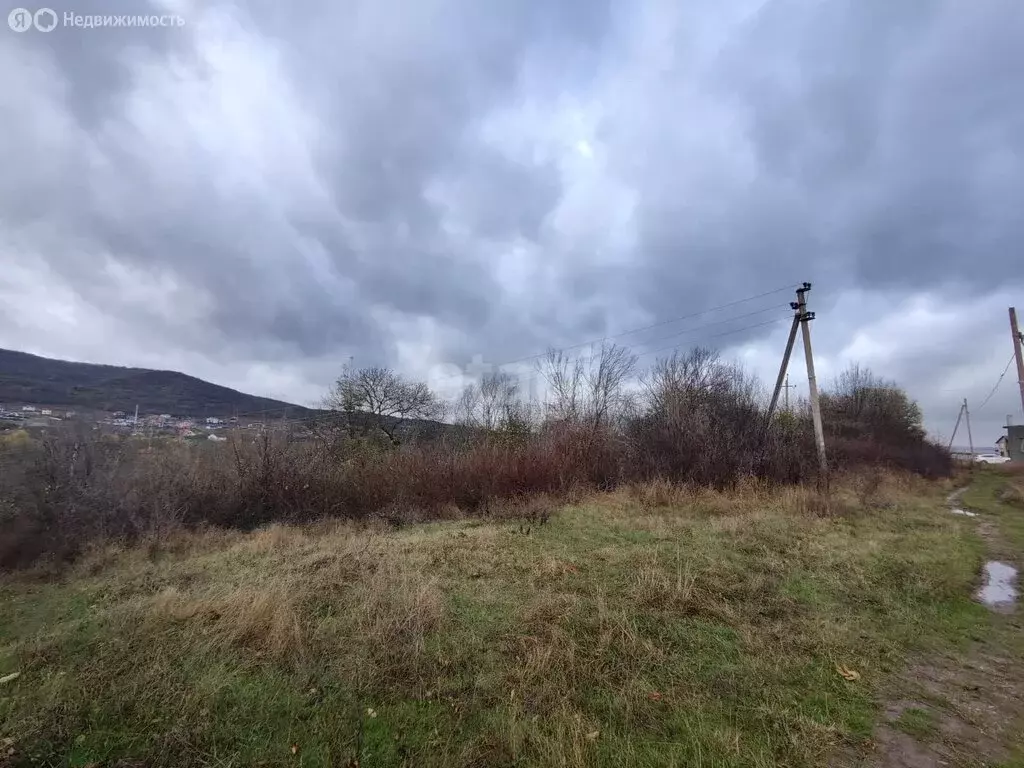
64 385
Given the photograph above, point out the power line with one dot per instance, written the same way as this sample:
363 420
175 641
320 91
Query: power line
330 416
646 328
724 333
721 322
655 325
1000 381
676 346
619 335
682 332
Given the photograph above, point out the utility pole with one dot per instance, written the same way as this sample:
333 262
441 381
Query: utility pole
785 363
788 387
967 418
1018 339
804 318
959 415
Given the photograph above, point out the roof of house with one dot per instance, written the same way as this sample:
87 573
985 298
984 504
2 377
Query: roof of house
1002 439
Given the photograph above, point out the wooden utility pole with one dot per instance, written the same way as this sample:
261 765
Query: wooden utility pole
967 418
804 318
785 363
1018 340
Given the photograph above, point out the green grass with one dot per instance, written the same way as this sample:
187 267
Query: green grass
998 494
705 631
918 722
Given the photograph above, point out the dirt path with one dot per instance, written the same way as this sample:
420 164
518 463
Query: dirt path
961 710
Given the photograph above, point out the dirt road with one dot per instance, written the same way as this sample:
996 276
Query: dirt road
966 709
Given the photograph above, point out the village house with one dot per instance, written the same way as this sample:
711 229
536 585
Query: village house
1012 443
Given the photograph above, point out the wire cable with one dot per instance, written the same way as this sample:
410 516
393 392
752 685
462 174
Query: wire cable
985 402
602 339
655 325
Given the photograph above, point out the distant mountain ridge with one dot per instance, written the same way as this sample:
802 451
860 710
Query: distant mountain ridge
33 380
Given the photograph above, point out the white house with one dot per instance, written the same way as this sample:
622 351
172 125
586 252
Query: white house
30 408
1001 448
47 412
212 420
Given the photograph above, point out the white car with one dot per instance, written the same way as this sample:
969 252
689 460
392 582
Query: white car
991 458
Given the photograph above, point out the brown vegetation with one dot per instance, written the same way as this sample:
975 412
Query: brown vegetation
696 421
656 624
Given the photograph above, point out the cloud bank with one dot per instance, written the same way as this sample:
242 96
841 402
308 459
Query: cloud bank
269 190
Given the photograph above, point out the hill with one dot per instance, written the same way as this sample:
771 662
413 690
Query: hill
33 380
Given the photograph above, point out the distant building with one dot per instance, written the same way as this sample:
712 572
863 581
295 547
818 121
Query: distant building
47 412
212 420
29 408
1012 442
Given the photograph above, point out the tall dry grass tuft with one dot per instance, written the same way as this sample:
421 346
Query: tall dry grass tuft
658 493
395 613
1013 492
264 620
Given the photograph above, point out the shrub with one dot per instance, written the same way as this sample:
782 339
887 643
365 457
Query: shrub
699 421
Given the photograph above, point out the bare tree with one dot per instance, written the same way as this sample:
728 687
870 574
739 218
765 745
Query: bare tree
565 380
677 382
492 404
591 390
382 399
610 368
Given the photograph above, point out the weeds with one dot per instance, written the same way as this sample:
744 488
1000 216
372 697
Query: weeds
699 425
707 630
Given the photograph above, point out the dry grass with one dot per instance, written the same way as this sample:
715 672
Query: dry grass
65 493
266 620
650 626
1013 492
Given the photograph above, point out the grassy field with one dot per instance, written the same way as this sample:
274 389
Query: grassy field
654 626
998 495
966 707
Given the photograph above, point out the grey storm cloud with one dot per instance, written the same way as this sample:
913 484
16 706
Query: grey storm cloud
276 187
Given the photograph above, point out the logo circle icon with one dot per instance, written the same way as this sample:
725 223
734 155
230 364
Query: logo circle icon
45 20
20 19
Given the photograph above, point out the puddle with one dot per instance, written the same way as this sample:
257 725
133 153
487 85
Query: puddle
999 591
964 512
954 497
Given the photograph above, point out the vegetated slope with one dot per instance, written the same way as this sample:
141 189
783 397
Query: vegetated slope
31 379
653 626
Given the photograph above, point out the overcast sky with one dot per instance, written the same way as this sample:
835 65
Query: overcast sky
259 194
